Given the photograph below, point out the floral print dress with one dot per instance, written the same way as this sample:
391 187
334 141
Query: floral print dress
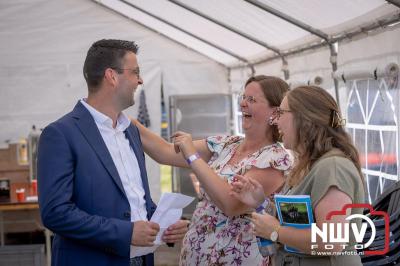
214 238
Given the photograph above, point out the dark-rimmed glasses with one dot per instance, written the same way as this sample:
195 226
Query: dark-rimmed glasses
135 71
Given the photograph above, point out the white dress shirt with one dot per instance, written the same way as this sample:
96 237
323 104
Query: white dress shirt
124 159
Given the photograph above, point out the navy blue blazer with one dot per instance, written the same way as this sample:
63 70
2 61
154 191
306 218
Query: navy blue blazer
81 196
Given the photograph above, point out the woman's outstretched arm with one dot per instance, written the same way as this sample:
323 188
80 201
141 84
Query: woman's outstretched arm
164 152
218 189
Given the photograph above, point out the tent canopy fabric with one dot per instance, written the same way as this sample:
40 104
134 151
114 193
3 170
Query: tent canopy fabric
185 17
195 46
186 47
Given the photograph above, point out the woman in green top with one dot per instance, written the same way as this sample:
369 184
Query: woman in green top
327 168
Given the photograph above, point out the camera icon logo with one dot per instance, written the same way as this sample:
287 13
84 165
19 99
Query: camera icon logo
363 240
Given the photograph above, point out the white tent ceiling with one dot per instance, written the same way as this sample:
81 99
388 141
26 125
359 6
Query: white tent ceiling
43 45
178 20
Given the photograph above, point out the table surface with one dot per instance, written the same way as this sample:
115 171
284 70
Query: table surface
17 206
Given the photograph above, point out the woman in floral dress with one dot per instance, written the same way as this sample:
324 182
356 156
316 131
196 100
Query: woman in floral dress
219 233
215 238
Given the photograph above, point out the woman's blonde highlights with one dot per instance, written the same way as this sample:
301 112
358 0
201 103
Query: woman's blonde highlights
319 128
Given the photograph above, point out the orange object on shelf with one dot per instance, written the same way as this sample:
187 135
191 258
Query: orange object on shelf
34 187
20 194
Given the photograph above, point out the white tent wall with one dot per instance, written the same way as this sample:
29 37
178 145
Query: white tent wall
371 52
303 69
366 54
188 78
357 60
238 77
361 55
43 46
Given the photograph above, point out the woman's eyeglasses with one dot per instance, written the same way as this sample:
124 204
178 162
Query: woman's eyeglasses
279 112
249 98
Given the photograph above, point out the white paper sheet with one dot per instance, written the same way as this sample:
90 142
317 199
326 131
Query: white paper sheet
168 212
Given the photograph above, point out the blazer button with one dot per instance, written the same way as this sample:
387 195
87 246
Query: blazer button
127 214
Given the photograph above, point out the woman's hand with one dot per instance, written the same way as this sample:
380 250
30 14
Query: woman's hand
264 224
176 232
184 142
134 121
247 190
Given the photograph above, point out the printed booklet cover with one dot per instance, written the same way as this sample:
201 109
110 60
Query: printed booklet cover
296 211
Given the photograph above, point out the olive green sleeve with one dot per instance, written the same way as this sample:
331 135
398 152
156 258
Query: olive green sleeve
336 172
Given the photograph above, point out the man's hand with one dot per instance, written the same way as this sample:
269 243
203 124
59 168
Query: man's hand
176 232
144 233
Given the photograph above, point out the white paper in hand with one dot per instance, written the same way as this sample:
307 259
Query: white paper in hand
168 212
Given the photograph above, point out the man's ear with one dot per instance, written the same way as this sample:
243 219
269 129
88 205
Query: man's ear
110 76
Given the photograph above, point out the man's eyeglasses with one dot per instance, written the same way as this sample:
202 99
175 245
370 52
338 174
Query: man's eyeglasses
248 98
279 112
135 71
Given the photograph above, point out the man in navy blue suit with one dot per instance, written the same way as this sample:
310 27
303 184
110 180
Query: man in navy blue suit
93 187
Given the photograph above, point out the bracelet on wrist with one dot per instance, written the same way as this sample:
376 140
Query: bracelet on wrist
193 158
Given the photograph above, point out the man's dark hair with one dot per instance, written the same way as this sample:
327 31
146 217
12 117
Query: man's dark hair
105 54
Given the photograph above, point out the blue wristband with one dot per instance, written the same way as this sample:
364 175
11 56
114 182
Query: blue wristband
193 158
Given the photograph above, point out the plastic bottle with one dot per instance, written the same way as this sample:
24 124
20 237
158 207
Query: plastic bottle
265 246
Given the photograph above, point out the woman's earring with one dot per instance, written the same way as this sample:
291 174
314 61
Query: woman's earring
271 121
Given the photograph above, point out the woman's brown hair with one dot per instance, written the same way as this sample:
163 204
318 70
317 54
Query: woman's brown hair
320 128
274 90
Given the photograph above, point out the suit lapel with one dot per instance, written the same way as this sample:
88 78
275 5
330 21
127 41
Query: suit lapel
88 127
134 141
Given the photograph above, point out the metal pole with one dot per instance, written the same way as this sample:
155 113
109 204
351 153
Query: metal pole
226 26
289 19
394 2
373 26
312 30
333 47
158 32
47 236
188 33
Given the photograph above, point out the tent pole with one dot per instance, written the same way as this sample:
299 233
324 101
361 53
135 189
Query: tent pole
289 19
332 46
240 58
394 2
158 32
387 22
226 26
